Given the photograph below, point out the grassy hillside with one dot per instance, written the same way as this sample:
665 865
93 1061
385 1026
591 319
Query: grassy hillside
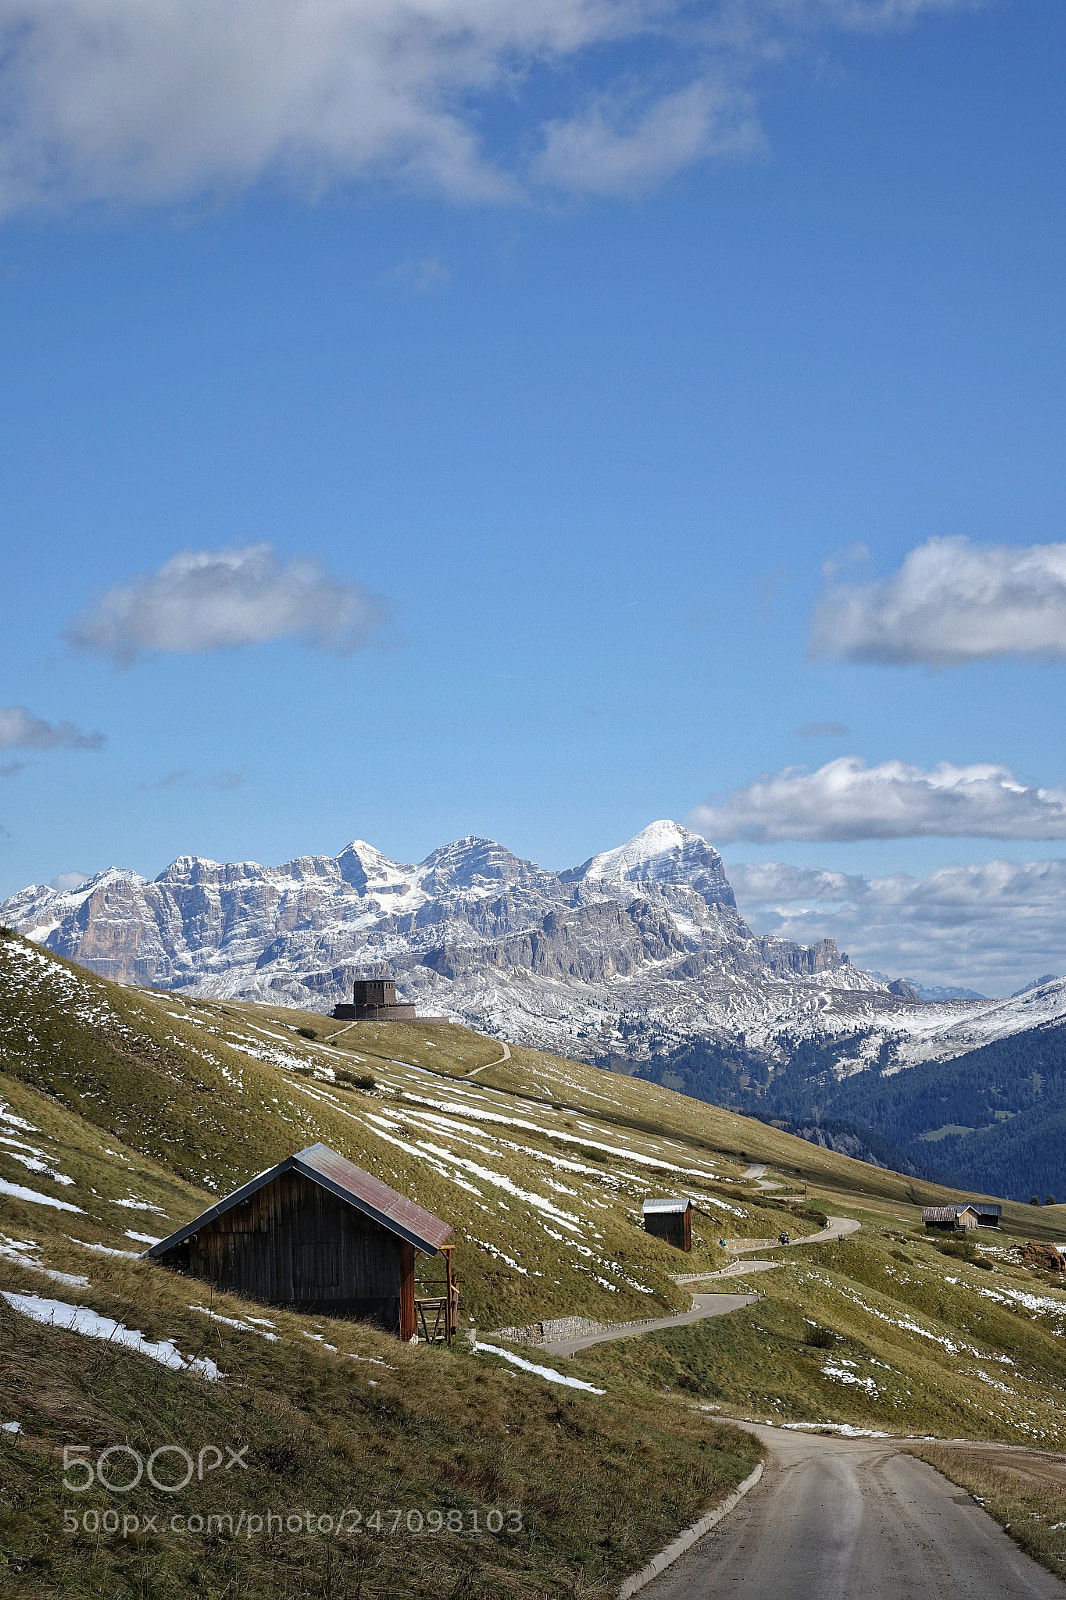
150 1105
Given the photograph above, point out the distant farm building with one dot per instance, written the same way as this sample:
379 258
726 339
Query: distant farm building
951 1218
670 1220
988 1215
317 1234
374 1000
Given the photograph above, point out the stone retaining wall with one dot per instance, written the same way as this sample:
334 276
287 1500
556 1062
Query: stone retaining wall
550 1329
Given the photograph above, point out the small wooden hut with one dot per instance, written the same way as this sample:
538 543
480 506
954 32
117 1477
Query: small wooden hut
670 1220
315 1234
950 1218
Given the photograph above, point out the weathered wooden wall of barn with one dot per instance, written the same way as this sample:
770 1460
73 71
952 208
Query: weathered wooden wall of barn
293 1243
673 1226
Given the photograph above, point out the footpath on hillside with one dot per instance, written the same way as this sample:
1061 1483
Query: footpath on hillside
703 1305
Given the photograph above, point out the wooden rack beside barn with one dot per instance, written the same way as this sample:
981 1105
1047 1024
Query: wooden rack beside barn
437 1315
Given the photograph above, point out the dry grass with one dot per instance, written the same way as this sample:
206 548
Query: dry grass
397 1427
1025 1490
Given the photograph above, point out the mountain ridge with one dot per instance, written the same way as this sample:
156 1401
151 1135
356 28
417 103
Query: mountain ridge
638 953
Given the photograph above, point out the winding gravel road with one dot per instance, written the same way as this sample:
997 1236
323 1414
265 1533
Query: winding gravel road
854 1519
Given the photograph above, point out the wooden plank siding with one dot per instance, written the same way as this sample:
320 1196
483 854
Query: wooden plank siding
294 1244
675 1227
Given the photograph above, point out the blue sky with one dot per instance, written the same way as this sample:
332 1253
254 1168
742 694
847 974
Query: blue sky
588 410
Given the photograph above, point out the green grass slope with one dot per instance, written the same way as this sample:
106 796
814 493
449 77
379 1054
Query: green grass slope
335 1418
124 1112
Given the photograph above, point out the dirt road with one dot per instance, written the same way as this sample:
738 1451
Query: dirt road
854 1519
703 1305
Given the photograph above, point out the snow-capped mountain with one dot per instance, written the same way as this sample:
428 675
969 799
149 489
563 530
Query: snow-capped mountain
626 957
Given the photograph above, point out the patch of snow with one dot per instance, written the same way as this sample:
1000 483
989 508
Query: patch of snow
133 1204
14 1250
10 1427
235 1322
500 1255
142 1238
542 1372
1028 1302
842 1374
17 1192
8 1116
80 1319
32 1159
105 1249
321 1339
845 1429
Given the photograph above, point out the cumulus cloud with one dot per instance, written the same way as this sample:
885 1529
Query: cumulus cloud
65 882
846 800
951 602
21 730
116 101
990 927
208 599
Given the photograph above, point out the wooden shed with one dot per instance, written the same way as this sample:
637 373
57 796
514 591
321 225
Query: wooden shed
950 1218
315 1234
670 1220
988 1215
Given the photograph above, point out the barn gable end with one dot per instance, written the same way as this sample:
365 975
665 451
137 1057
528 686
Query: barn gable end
670 1220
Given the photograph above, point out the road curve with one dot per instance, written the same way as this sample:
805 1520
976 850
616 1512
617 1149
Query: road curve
854 1519
838 1228
703 1305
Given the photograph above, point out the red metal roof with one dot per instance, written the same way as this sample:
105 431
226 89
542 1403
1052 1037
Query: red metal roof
341 1174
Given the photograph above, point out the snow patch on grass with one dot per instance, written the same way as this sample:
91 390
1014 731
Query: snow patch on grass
80 1319
17 1191
531 1366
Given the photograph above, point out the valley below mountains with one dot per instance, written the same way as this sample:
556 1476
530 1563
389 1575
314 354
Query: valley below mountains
638 960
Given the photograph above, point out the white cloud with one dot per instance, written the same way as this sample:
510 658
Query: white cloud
122 102
951 602
21 730
609 150
65 882
846 800
991 927
209 599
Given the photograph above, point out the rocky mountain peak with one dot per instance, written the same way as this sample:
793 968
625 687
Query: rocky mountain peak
473 864
369 870
662 853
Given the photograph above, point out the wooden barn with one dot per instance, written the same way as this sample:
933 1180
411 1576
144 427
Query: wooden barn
950 1218
670 1220
316 1234
988 1215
